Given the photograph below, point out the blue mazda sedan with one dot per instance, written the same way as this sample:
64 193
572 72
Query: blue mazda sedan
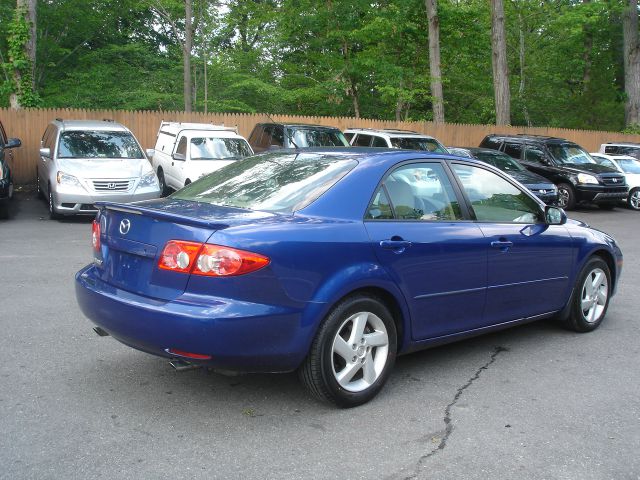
333 262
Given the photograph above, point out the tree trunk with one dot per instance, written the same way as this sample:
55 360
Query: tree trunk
29 7
587 54
500 66
522 87
434 60
188 41
631 64
354 97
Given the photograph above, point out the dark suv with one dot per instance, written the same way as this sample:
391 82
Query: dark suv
578 177
267 136
6 180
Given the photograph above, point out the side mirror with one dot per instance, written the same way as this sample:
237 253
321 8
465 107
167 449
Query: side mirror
179 156
555 215
45 152
13 143
150 152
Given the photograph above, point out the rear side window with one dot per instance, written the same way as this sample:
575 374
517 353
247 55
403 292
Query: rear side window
611 149
420 191
182 146
311 137
275 182
254 139
513 149
379 142
491 142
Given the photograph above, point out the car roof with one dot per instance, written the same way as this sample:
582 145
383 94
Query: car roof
174 128
300 125
474 150
623 144
534 138
389 132
98 125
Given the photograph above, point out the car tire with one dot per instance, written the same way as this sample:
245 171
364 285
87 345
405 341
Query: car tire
164 190
53 215
590 298
566 196
633 200
4 211
353 352
39 191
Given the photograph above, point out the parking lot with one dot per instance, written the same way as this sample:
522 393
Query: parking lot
531 402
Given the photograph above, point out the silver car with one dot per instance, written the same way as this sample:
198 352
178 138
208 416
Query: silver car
85 161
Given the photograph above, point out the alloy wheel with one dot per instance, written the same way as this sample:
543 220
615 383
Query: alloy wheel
634 199
563 198
595 292
359 351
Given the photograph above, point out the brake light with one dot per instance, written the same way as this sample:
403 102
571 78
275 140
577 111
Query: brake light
209 260
182 353
95 236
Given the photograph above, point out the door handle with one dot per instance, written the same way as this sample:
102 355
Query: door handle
503 245
398 246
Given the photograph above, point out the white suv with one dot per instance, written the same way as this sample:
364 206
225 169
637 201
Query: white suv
621 148
184 152
406 139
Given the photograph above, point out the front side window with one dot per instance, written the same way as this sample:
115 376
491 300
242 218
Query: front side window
379 142
362 140
214 148
275 182
182 146
494 199
420 191
412 143
98 144
500 160
534 154
513 149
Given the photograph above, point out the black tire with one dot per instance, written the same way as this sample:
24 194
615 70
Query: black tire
368 354
164 190
52 213
606 206
589 305
4 210
633 200
566 196
39 191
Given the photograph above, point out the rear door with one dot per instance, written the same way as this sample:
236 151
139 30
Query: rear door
438 259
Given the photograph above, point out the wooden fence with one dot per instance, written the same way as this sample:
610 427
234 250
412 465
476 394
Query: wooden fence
29 125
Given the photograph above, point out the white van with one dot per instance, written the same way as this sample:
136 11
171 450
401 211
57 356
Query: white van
184 152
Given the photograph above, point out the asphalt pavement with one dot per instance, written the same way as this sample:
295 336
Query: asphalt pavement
533 402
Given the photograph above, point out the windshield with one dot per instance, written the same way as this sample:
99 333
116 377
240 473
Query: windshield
629 166
92 144
570 153
500 160
409 143
307 137
275 182
212 148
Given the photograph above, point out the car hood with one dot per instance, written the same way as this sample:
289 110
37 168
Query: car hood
111 168
530 178
588 167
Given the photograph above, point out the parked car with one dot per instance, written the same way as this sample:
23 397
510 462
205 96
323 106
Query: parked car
333 261
392 138
578 177
85 161
6 180
269 136
624 148
542 188
631 169
186 151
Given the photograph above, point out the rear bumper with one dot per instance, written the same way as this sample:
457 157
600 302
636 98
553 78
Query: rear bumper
239 336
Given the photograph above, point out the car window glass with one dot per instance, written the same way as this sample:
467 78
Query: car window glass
182 146
417 143
420 191
210 148
628 150
513 149
348 136
321 137
362 140
256 135
533 154
611 149
629 166
380 207
494 199
277 136
3 135
492 143
379 142
570 153
98 144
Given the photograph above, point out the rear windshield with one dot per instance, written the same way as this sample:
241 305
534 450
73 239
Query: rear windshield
428 144
274 182
212 148
307 137
500 160
92 144
569 153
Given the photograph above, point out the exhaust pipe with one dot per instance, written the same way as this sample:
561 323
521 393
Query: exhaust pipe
100 332
181 366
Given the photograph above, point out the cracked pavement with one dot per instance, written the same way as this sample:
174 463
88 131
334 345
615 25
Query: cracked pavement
531 402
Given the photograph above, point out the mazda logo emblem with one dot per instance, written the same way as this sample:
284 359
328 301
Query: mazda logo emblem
125 225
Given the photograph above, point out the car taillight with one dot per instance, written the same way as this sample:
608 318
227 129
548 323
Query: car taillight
209 260
95 236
